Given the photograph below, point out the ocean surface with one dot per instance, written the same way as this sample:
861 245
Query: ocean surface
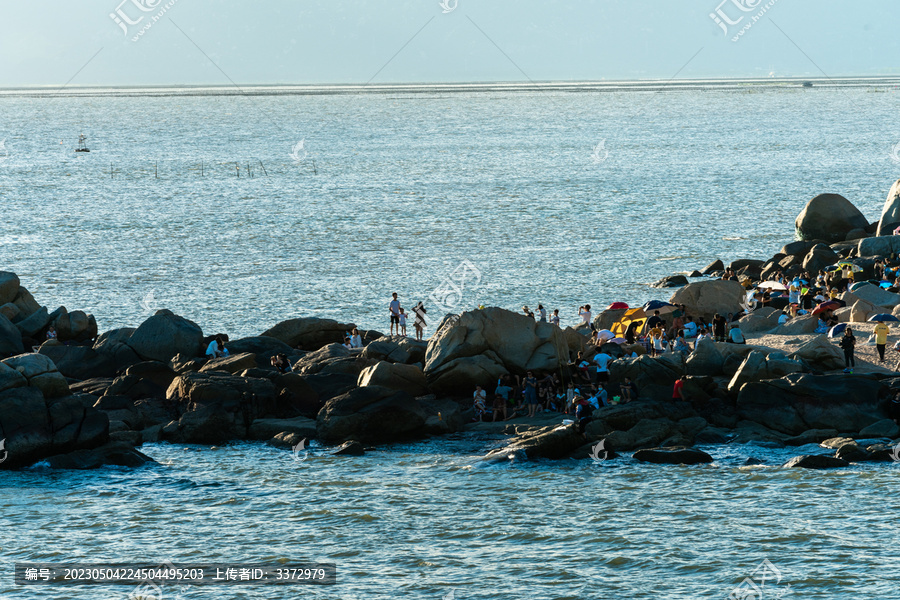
430 519
549 197
552 197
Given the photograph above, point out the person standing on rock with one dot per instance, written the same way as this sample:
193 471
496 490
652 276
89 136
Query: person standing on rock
555 318
881 336
719 323
419 323
848 345
479 398
531 395
394 310
542 313
585 313
602 359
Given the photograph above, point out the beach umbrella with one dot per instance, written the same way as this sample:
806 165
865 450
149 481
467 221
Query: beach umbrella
831 268
771 285
849 265
605 334
837 330
826 306
632 315
883 318
855 286
618 306
885 284
664 308
618 340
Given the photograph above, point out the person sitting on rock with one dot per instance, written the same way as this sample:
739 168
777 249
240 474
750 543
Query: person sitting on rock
582 410
629 390
280 361
347 343
479 398
681 344
51 333
690 328
216 348
356 339
736 336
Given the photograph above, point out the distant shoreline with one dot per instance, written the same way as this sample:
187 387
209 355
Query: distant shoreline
650 85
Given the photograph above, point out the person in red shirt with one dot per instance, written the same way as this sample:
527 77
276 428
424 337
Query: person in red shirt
676 391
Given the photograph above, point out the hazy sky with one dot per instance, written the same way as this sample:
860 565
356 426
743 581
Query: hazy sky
49 42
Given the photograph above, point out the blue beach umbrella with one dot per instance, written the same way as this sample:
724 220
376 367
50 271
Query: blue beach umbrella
656 305
885 284
837 330
883 318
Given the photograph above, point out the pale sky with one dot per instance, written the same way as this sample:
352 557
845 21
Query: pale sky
50 42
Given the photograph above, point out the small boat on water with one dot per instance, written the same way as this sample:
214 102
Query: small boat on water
82 147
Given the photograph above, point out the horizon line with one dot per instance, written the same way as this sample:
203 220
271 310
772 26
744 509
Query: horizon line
426 87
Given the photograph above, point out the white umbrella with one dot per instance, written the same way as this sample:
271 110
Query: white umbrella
771 285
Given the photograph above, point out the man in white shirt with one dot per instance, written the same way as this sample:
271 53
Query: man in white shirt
602 359
216 348
585 314
394 308
690 328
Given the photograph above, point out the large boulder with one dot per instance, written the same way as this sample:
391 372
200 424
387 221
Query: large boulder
819 353
666 456
262 346
798 248
26 303
34 324
9 287
819 257
164 335
760 320
371 415
114 453
34 427
879 246
408 378
801 325
800 402
890 214
829 217
41 373
876 295
309 333
706 298
654 378
233 363
78 362
218 407
484 344
11 378
815 461
10 338
76 325
113 344
705 359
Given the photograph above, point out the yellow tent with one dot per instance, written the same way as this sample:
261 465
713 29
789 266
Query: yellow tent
634 315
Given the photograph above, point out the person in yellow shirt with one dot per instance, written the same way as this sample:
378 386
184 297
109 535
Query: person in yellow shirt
881 336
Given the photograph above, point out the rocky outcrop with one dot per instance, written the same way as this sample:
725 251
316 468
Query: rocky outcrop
758 367
234 363
10 338
890 213
671 281
760 320
665 456
263 347
706 298
408 378
396 350
76 326
879 246
78 362
484 344
876 295
800 402
819 353
815 461
120 454
371 415
309 333
40 373
164 335
829 217
113 345
35 428
819 257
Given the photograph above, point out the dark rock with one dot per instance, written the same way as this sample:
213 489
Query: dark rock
309 333
10 339
9 286
816 462
685 456
164 335
408 378
800 402
671 281
115 453
35 428
112 344
829 217
799 248
73 326
851 452
819 257
890 213
716 265
263 347
78 362
26 303
695 274
857 234
812 436
372 415
234 363
351 448
330 385
35 324
264 429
